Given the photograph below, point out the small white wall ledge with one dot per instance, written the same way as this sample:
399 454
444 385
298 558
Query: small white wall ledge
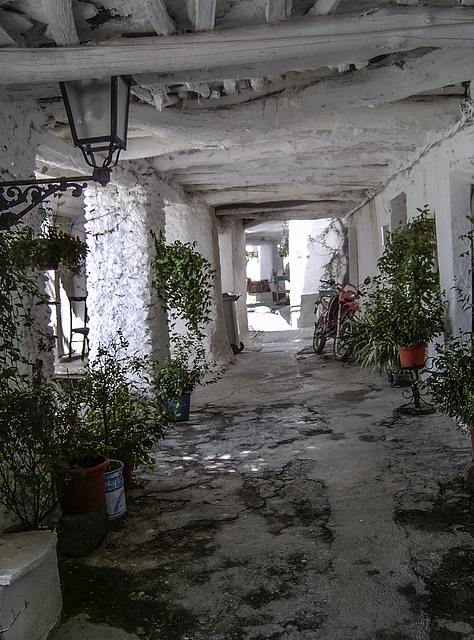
29 573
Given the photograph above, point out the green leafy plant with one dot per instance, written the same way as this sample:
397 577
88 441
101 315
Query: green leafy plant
40 436
39 428
19 296
283 247
403 305
52 247
117 406
183 281
410 281
451 380
451 376
368 339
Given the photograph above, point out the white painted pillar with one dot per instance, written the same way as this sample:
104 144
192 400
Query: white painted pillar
119 274
266 251
231 236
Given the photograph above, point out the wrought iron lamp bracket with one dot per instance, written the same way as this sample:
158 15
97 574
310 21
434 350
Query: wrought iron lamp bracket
30 193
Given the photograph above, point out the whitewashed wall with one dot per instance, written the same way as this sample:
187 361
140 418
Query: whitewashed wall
312 244
440 178
119 275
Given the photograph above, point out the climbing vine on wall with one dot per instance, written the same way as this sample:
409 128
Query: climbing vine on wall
336 267
183 282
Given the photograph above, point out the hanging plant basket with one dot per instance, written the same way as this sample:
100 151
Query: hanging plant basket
52 248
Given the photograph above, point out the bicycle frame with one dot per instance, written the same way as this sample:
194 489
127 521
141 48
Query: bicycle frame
348 301
333 307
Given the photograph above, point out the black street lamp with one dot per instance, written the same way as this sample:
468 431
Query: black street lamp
97 111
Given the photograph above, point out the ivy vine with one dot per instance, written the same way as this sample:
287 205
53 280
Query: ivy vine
183 282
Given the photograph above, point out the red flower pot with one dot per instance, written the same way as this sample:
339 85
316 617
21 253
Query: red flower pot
411 357
83 491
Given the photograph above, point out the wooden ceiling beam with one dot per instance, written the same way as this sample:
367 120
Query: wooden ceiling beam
159 17
310 211
61 25
327 40
202 14
278 10
323 7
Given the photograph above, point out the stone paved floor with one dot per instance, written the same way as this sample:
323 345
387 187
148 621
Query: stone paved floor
294 505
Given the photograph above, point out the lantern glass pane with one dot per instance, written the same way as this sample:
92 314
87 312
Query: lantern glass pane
123 91
90 102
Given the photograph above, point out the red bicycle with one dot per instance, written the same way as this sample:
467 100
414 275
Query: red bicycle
335 310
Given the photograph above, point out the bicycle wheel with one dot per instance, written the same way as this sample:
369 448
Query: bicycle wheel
341 348
319 339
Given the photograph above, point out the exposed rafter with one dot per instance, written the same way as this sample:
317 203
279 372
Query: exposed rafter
202 14
159 17
324 41
61 26
277 10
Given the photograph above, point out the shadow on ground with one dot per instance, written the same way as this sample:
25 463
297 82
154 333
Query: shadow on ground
296 504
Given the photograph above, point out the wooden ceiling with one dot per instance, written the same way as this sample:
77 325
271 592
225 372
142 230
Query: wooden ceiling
268 109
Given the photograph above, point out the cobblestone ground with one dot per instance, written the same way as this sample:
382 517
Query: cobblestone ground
296 504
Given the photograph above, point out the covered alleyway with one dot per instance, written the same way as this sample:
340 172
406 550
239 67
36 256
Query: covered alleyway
294 505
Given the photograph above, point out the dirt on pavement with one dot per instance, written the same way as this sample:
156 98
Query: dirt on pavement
295 504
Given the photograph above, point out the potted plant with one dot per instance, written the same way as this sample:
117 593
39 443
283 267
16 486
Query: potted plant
50 249
118 407
43 448
40 435
451 381
404 307
183 282
179 375
27 408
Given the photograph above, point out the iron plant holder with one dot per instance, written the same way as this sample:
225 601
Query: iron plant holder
416 405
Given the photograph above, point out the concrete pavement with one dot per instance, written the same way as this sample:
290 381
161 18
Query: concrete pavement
294 505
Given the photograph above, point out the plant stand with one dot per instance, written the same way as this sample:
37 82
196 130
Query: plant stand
416 405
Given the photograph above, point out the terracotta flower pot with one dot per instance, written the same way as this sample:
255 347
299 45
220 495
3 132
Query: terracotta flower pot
411 357
83 491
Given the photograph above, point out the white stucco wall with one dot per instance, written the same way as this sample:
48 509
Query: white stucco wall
312 244
440 178
119 275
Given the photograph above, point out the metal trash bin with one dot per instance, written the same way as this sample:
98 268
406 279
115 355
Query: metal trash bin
231 324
